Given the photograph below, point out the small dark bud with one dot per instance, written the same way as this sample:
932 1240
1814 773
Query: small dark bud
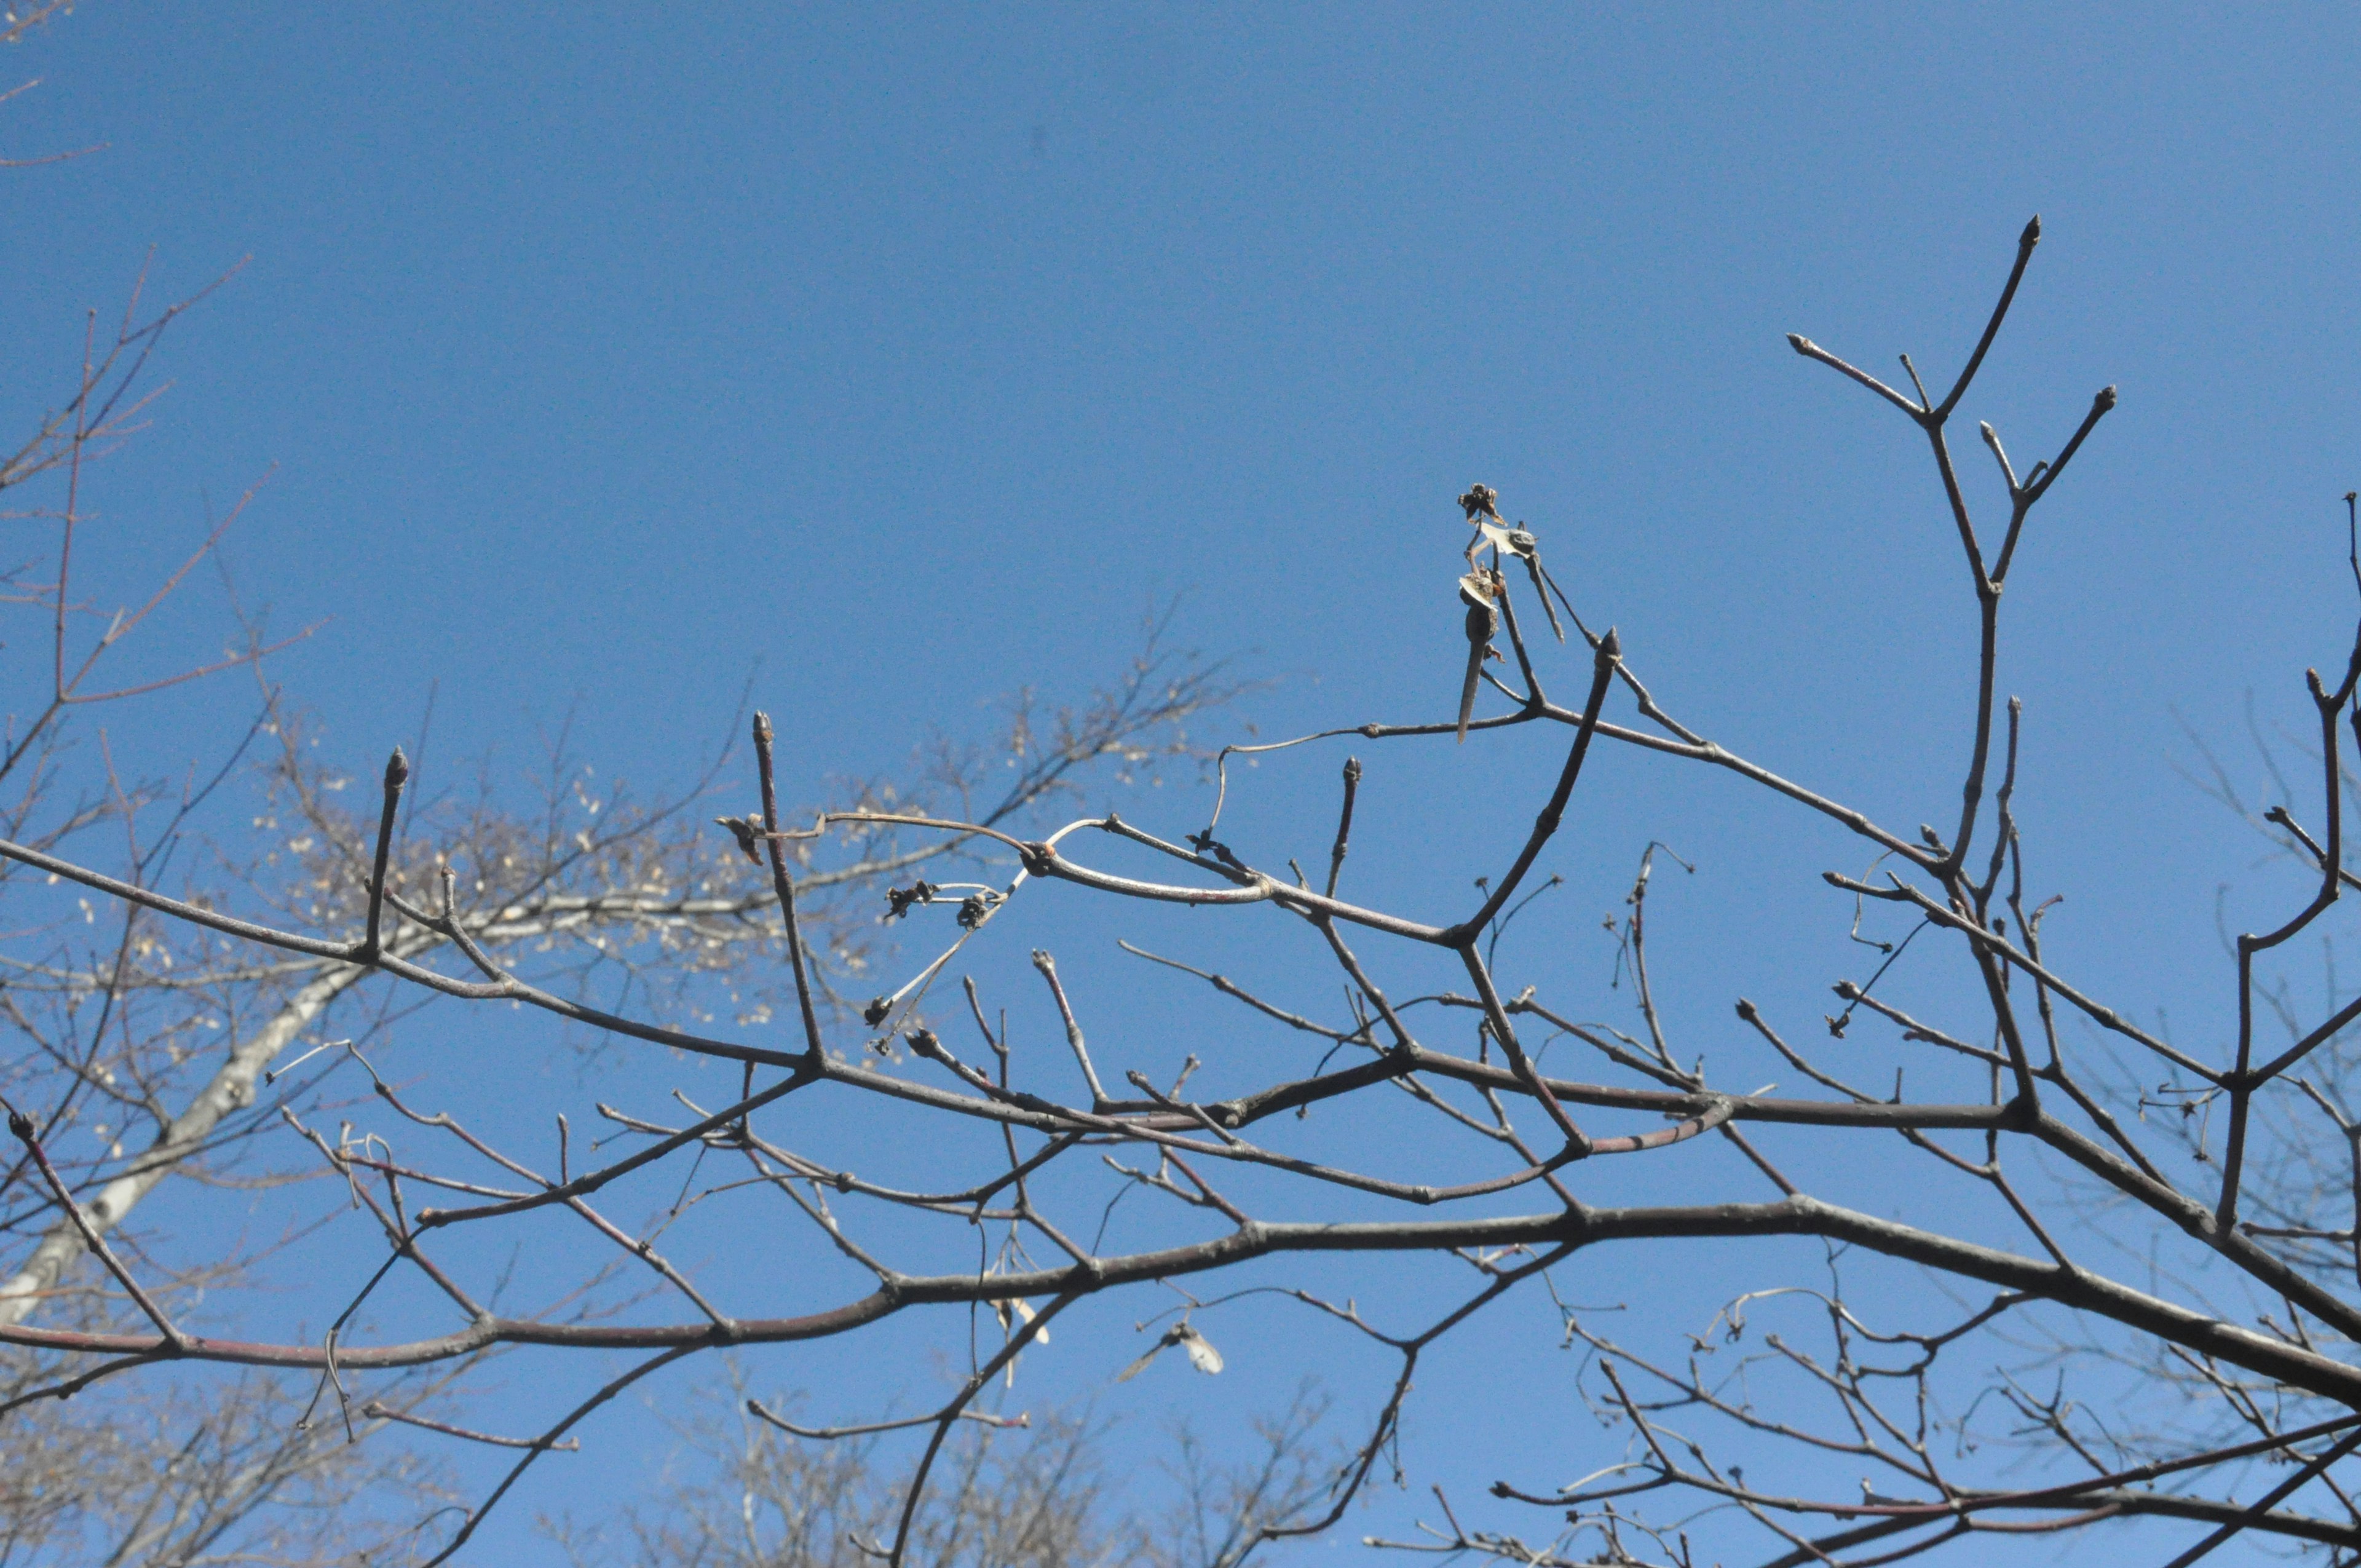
1611 646
1483 498
1847 989
1206 844
1799 343
397 770
2032 234
2105 401
21 1125
874 1013
974 908
1353 764
924 1042
900 899
1746 1010
1836 1027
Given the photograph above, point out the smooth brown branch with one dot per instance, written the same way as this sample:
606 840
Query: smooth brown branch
2000 455
590 1181
397 774
1210 1195
1344 824
2025 240
2104 1119
2353 535
1049 968
1993 973
1229 987
2044 475
1032 1328
1203 1118
2263 1504
2103 402
2242 1082
871 1429
1356 1471
1529 551
22 1126
1752 1015
1810 350
1912 1029
1532 692
1404 1041
644 1250
1043 860
2279 817
966 1203
1578 1143
2004 808
782 885
1520 1006
546 1442
2104 1017
1639 1143
67 1387
815 1209
925 1045
1610 650
2024 1214
397 1234
377 1410
1755 1156
2037 1277
1636 932
1686 744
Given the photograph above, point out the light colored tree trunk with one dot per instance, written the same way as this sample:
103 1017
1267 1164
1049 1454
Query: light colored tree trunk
231 1089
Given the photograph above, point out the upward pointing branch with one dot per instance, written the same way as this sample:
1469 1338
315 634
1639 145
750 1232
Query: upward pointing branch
2025 244
783 883
1609 654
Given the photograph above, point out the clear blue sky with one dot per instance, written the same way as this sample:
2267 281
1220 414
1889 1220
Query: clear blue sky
603 352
